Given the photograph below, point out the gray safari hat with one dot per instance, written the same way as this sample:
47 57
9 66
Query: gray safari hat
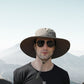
62 45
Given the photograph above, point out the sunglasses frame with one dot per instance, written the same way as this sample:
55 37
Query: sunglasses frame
40 43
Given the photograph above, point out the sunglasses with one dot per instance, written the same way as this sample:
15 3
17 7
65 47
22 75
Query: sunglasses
41 43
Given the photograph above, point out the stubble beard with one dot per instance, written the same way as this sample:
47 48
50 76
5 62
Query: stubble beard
43 57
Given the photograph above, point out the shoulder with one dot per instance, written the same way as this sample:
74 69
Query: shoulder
60 70
22 71
63 74
22 68
20 74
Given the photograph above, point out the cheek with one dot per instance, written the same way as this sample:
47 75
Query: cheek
53 49
37 49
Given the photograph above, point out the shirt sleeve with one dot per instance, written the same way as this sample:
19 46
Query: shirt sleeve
18 77
67 79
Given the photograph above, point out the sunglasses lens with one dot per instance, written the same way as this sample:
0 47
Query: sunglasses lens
50 43
40 43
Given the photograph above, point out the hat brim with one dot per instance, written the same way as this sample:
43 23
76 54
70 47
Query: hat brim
27 46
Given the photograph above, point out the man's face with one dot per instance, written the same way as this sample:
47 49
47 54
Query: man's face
43 51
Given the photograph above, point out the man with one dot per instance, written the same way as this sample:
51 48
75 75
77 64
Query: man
44 47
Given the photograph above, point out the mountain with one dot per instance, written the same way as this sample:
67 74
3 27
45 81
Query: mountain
73 82
14 57
6 70
1 77
2 62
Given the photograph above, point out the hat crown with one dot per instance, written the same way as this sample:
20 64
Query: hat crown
46 32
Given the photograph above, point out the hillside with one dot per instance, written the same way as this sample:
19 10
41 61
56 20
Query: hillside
6 70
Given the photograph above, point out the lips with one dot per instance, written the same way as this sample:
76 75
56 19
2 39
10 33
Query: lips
44 52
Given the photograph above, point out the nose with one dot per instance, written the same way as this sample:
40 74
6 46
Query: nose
45 46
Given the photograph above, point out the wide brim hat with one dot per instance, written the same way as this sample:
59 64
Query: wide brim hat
62 45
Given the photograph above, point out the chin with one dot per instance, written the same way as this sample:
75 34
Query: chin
45 58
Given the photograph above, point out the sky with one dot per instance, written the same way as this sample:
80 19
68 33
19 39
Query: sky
20 19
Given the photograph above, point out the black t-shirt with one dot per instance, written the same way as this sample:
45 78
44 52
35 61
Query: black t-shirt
26 74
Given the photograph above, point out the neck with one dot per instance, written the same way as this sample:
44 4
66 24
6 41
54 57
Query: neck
40 66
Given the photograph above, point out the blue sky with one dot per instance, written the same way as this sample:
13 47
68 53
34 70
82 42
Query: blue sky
21 18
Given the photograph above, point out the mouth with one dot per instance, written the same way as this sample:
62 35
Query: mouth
44 52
